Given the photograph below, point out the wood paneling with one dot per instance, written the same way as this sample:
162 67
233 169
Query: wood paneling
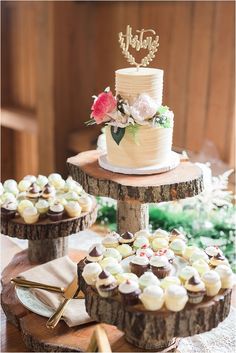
56 55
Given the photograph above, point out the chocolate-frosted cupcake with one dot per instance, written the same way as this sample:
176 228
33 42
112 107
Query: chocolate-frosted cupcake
129 292
106 284
218 259
160 266
48 191
195 289
127 238
212 251
139 264
34 192
8 210
55 212
95 253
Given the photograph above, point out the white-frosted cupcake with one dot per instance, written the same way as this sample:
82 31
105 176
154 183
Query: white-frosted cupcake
226 276
195 289
125 250
177 234
24 204
189 251
42 207
148 279
187 272
8 210
143 233
212 283
123 277
139 264
112 252
198 255
55 212
175 297
201 266
178 246
160 266
108 261
73 209
129 292
168 253
30 215
140 242
24 185
145 250
114 268
152 298
160 233
56 180
31 178
72 185
159 243
42 180
86 203
169 281
95 253
106 284
71 196
8 197
90 273
111 240
10 185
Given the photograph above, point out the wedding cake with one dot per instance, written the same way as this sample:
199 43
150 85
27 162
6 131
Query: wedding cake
139 128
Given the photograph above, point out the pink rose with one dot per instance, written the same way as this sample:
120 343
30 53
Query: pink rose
105 103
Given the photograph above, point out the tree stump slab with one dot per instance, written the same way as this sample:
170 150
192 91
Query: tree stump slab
155 330
185 180
48 240
36 336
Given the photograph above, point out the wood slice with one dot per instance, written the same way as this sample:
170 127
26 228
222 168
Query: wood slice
131 216
156 330
33 327
186 180
48 230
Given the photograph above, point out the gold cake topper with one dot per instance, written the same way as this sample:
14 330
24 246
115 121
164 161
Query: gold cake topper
138 42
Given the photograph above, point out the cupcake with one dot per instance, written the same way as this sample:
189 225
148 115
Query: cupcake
218 259
114 268
160 233
140 242
24 185
148 279
212 251
145 250
169 281
152 298
21 196
42 180
189 251
159 243
201 266
30 215
33 192
24 204
127 238
31 178
175 297
226 276
55 212
10 185
196 289
1 189
48 191
160 266
8 197
168 253
8 210
112 252
86 203
129 292
176 234
212 283
107 261
139 264
56 180
186 273
95 253
142 233
42 207
178 246
125 250
198 255
73 209
111 240
72 185
72 196
90 273
123 277
106 284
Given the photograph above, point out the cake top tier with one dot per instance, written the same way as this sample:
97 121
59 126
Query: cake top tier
131 82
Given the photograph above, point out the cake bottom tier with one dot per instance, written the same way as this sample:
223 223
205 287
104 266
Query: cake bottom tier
148 147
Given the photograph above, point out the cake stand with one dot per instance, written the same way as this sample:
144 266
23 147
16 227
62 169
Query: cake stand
134 192
48 240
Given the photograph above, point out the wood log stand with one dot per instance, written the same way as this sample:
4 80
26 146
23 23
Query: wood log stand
134 192
48 240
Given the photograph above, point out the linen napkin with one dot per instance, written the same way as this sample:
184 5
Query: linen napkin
59 272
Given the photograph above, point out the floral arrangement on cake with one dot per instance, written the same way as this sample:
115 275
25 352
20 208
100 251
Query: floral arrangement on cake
119 114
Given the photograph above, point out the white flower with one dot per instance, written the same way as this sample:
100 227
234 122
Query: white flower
143 108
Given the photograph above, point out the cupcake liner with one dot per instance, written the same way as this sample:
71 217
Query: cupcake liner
195 297
160 272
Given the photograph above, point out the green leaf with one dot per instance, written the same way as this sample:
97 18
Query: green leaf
117 133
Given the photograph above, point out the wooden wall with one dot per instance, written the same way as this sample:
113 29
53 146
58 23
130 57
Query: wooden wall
78 53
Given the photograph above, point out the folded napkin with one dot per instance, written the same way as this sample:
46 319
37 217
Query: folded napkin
59 272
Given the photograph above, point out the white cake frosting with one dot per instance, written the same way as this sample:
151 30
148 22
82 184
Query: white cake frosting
131 82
